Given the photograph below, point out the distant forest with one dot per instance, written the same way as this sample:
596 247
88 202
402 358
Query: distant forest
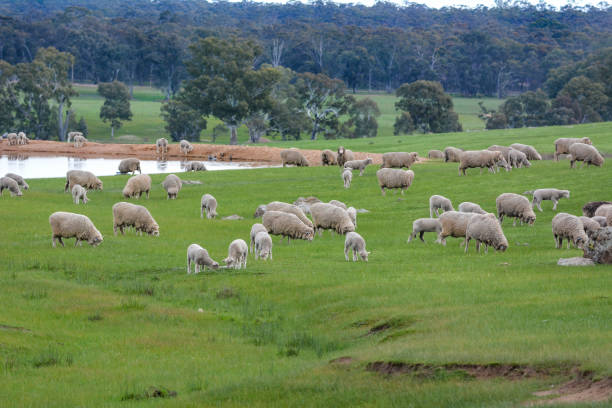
472 52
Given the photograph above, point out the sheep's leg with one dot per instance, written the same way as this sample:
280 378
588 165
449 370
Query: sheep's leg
514 222
411 237
486 249
467 244
477 246
421 235
354 255
569 241
539 204
361 172
554 204
346 252
76 242
270 254
188 266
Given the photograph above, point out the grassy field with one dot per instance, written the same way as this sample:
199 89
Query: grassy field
118 324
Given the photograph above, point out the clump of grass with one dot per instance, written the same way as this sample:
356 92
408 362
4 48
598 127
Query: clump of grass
227 293
52 357
95 317
35 294
139 288
151 392
131 304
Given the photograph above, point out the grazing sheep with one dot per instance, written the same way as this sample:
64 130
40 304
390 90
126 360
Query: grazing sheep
71 225
79 141
136 216
422 225
263 245
518 159
136 185
502 163
284 207
195 166
338 204
468 207
78 194
344 155
452 154
293 156
601 220
394 178
358 165
551 194
161 146
286 225
454 224
22 139
347 177
588 210
237 254
172 184
208 203
328 158
71 135
10 185
399 160
514 206
84 178
503 149
256 228
329 216
352 213
355 242
186 147
605 211
259 211
567 226
563 144
305 203
129 165
530 151
590 225
484 229
12 139
586 154
435 154
20 181
479 158
199 256
438 202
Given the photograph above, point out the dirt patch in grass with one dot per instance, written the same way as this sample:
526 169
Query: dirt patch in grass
344 360
151 392
227 293
583 389
14 328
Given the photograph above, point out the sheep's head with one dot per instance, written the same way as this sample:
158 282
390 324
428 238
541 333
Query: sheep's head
153 230
98 185
341 150
586 140
581 241
368 161
414 156
502 246
214 265
96 239
529 218
364 255
230 261
259 211
526 163
565 193
25 186
308 235
127 193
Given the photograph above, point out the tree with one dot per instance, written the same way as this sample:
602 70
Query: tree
403 124
587 98
182 122
116 107
430 108
82 127
527 109
362 117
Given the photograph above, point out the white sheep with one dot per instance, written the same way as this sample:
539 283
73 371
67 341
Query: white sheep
589 209
328 216
237 254
344 155
208 204
263 245
286 225
172 184
256 228
435 154
394 178
84 178
22 139
20 181
452 154
479 159
586 154
484 229
590 225
514 206
454 224
328 158
530 151
605 211
71 135
78 194
195 166
601 220
358 165
199 256
71 225
518 159
338 204
469 207
399 160
284 207
293 156
79 141
347 177
422 225
10 185
185 147
12 139
132 215
136 185
129 165
563 144
161 146
355 243
505 151
305 203
438 202
567 226
551 194
352 213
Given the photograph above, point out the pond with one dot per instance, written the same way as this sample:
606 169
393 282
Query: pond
57 166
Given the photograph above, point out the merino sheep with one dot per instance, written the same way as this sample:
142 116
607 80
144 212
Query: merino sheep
514 206
338 204
292 156
589 209
563 144
136 185
590 225
78 194
438 202
518 159
10 185
286 225
71 225
256 228
454 224
551 194
132 215
329 216
305 203
71 135
352 213
22 139
129 165
435 154
479 158
208 204
586 154
601 220
452 154
185 146
605 211
422 225
505 150
347 177
263 245
199 256
328 158
355 243
237 254
503 164
84 178
161 146
358 165
195 166
484 229
530 151
399 160
469 207
12 139
20 181
567 226
172 184
284 207
344 155
259 211
394 178
79 141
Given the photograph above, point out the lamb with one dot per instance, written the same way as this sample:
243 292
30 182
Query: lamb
10 185
530 151
12 139
79 193
344 155
208 203
588 210
293 156
586 154
284 207
438 202
263 245
79 141
186 147
435 154
399 160
567 226
484 229
286 225
132 215
129 165
172 184
601 220
454 224
195 166
347 177
199 256
551 194
328 216
255 229
563 144
503 149
71 135
84 178
328 158
422 225
71 225
338 204
394 178
468 207
237 254
305 203
20 181
358 165
518 159
355 242
590 225
136 185
479 158
161 146
22 139
352 213
452 154
514 206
